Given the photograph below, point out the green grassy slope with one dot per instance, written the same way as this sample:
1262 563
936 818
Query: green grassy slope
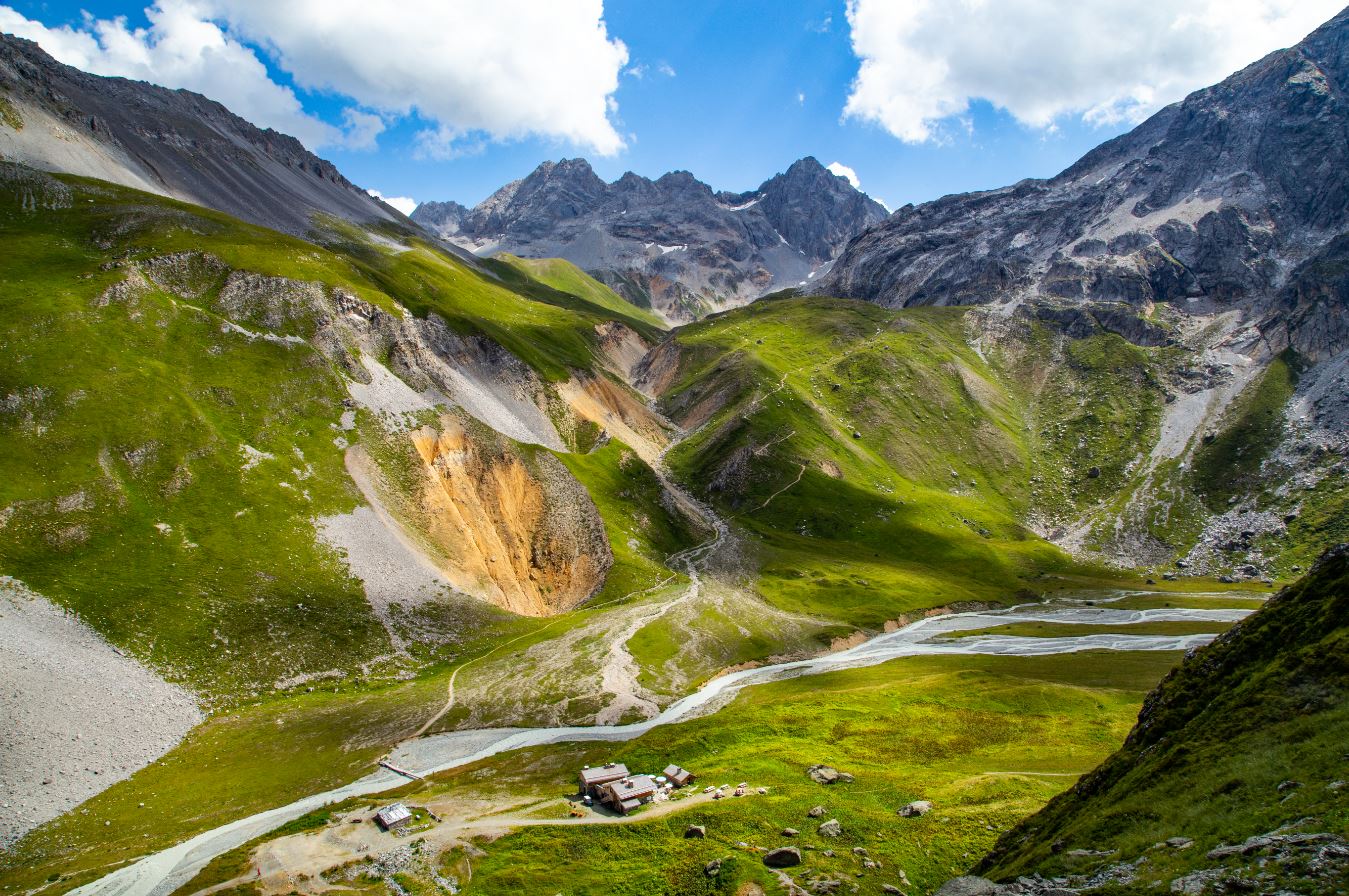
1265 704
566 277
879 459
128 494
161 472
1092 407
1229 463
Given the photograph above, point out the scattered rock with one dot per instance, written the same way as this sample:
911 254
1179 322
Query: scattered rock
1286 786
916 809
1094 473
695 832
830 828
859 850
712 867
782 857
1180 842
825 774
817 812
1267 841
890 888
790 832
968 886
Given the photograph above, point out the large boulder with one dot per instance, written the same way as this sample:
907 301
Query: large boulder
969 886
826 774
782 857
830 828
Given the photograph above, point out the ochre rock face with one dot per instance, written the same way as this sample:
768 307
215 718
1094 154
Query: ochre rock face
520 532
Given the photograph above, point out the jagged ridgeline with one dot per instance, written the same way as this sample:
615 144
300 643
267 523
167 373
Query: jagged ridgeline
671 245
1233 780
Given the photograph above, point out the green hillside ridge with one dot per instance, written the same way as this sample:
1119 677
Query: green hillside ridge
1246 738
567 277
156 479
642 530
873 454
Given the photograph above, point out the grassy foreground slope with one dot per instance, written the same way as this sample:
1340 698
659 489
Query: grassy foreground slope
1248 737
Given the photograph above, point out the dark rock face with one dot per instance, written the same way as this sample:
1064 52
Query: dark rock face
1233 197
172 142
671 243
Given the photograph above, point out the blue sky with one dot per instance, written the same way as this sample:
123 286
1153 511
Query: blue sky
955 97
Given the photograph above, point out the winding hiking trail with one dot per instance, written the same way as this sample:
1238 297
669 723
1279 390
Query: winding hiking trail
161 873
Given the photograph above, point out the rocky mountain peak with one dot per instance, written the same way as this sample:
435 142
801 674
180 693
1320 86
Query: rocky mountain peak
815 209
673 242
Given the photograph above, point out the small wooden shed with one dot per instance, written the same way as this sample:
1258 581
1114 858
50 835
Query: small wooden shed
391 818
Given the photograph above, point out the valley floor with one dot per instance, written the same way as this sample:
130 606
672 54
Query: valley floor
816 694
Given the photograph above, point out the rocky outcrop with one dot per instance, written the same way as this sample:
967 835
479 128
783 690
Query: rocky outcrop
1210 204
673 243
514 527
475 494
171 142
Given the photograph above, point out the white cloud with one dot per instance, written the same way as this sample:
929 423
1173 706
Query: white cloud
924 61
843 171
405 204
179 50
800 98
498 71
666 69
507 69
363 128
